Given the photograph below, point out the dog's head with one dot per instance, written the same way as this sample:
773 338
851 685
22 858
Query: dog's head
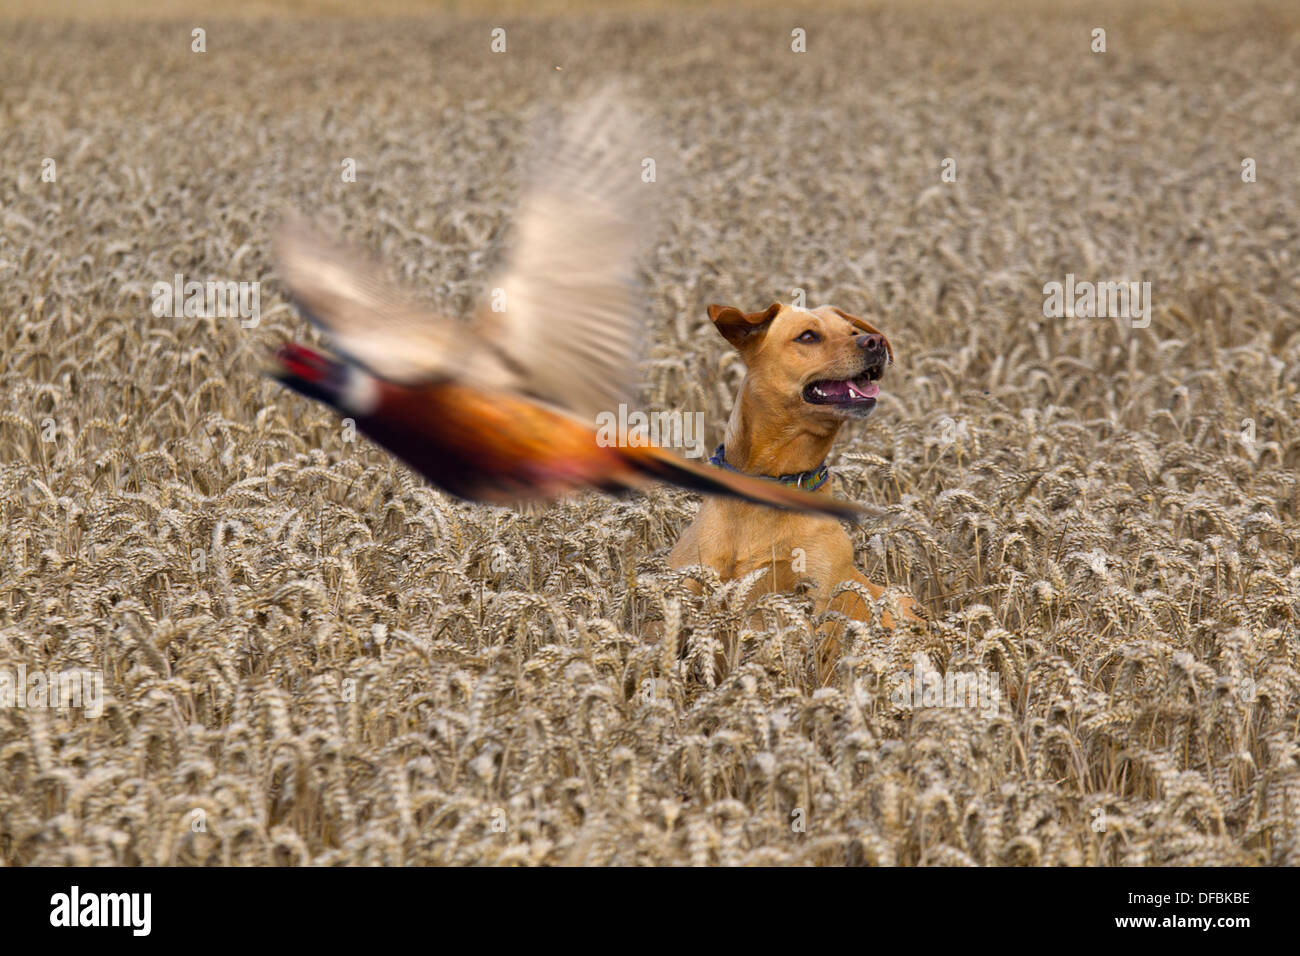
822 362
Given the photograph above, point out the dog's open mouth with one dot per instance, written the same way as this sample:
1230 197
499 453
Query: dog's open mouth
849 392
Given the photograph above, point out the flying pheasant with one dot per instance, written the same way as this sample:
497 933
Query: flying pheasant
502 409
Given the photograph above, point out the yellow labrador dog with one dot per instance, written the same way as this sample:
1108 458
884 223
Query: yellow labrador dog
808 372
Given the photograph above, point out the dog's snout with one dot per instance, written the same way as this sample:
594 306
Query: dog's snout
871 342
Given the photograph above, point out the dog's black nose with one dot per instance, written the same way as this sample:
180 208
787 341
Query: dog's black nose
870 342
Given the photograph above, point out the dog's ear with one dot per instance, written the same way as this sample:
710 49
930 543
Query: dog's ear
866 326
742 329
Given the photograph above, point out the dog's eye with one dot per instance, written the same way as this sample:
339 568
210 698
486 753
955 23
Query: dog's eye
809 336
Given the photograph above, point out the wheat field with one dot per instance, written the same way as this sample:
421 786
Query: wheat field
310 657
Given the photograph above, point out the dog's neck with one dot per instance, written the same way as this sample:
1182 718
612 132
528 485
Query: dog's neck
775 445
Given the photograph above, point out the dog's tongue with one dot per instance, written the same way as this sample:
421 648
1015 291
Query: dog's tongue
870 390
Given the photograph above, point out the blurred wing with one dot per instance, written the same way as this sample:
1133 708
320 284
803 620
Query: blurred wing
572 322
342 292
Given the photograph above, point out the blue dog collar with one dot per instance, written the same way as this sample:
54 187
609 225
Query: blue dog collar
807 480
